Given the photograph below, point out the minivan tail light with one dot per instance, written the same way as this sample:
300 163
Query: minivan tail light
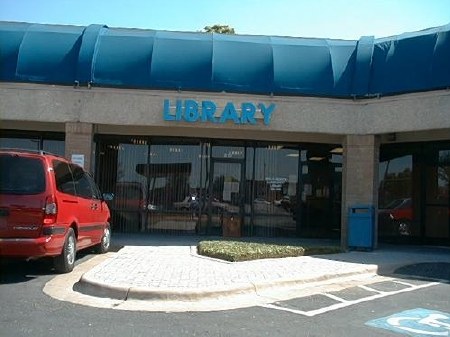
50 210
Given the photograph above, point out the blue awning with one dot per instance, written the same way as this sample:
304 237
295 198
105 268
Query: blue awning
149 59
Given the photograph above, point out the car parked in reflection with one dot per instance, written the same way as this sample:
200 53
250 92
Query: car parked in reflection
187 203
129 196
129 206
396 218
193 203
261 201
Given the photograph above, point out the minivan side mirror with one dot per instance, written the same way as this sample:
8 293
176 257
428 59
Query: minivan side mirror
108 196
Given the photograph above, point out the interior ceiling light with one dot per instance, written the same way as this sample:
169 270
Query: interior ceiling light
316 158
292 155
337 150
274 147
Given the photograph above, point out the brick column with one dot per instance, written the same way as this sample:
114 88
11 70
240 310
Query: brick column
79 140
359 177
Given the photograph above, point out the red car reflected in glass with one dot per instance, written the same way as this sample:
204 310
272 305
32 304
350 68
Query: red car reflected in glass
396 218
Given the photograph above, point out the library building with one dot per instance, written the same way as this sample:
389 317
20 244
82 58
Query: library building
242 135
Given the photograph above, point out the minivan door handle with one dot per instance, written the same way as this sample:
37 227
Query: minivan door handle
70 201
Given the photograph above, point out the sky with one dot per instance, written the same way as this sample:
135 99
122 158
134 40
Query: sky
335 19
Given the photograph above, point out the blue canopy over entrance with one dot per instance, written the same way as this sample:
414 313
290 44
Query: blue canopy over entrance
148 59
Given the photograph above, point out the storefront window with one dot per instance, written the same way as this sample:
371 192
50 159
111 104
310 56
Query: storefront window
275 199
155 185
230 152
20 143
186 186
54 146
319 208
396 216
414 201
437 195
395 177
53 143
129 187
174 173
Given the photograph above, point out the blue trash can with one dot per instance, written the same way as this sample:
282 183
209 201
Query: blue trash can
361 227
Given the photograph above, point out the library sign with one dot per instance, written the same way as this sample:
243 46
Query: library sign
209 112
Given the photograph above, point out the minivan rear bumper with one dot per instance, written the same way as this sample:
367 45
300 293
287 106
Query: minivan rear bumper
31 247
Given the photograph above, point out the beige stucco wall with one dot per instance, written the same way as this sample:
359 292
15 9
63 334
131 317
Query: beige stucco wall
293 116
359 177
79 140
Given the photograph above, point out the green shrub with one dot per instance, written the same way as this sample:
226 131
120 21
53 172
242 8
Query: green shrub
235 251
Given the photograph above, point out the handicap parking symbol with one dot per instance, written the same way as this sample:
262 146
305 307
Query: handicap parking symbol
417 323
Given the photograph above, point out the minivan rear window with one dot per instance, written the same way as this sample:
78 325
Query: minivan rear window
21 175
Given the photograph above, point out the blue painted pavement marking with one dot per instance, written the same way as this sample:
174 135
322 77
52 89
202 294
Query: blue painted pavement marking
416 322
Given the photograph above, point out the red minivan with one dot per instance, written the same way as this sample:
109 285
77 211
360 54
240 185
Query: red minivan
49 207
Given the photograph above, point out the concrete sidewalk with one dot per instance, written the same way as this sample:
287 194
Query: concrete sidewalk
153 269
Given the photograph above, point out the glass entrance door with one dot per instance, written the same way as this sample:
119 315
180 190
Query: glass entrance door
225 197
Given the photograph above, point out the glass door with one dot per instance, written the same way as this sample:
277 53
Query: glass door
225 198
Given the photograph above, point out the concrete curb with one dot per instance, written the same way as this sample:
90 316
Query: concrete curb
92 287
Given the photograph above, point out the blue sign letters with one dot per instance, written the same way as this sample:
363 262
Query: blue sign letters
207 111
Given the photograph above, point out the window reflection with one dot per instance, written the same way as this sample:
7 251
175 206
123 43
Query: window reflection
154 184
129 187
414 201
396 217
20 143
444 177
437 195
235 152
320 202
395 177
275 190
35 143
54 146
174 173
185 186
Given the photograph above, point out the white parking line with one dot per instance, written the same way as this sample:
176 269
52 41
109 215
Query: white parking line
371 289
344 303
404 283
334 297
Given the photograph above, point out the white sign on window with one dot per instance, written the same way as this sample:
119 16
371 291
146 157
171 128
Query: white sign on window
78 159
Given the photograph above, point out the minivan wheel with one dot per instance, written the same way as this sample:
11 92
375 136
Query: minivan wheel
65 262
105 243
